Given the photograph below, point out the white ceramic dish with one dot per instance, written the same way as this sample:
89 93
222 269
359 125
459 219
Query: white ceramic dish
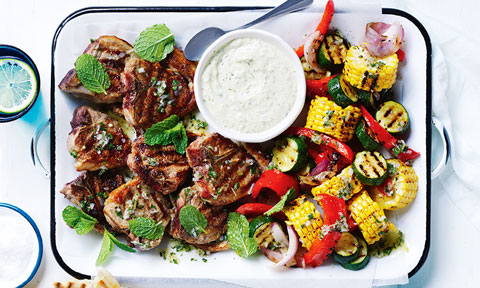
285 49
77 254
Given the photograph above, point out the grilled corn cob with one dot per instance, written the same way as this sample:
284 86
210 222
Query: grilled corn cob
367 72
306 220
344 185
327 117
400 189
369 216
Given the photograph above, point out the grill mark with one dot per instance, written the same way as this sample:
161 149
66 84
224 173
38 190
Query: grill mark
365 169
387 113
159 176
374 83
364 78
225 175
327 48
375 171
375 157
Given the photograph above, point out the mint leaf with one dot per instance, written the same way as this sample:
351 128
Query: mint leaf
79 220
168 131
287 197
119 244
107 247
84 226
180 139
154 43
192 220
108 243
237 235
92 74
146 228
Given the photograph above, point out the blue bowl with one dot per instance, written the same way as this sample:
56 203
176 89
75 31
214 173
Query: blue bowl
7 51
39 239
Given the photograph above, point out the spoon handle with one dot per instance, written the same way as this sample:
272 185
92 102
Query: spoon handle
287 7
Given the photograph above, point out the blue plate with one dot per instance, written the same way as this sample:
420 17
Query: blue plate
7 51
39 239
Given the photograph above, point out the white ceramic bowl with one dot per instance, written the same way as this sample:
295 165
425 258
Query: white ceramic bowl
295 110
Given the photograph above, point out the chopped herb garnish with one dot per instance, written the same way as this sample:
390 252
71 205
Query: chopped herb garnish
175 85
212 173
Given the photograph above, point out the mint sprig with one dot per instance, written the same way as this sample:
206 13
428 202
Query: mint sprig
79 220
92 74
287 197
108 242
168 131
237 235
192 220
146 228
154 43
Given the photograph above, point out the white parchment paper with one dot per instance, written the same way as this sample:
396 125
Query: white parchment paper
80 252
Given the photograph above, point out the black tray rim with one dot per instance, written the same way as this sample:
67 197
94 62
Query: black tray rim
189 9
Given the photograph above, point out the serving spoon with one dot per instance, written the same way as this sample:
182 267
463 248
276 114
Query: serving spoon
199 43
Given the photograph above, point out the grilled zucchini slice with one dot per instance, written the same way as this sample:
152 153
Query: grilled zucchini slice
346 249
332 52
258 222
342 92
260 230
290 154
362 258
393 117
371 100
366 137
370 168
391 241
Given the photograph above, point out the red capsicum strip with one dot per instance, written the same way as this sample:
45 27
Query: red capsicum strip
400 55
333 208
323 25
384 186
391 143
253 209
299 51
318 87
277 181
321 249
257 209
322 139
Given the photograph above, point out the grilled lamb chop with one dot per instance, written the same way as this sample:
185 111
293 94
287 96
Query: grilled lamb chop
215 215
161 167
225 171
135 199
89 191
178 63
258 154
96 141
112 52
154 92
215 246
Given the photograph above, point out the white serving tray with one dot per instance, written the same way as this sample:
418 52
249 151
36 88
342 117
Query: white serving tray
77 254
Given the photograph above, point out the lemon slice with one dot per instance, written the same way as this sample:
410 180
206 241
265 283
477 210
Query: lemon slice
18 85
